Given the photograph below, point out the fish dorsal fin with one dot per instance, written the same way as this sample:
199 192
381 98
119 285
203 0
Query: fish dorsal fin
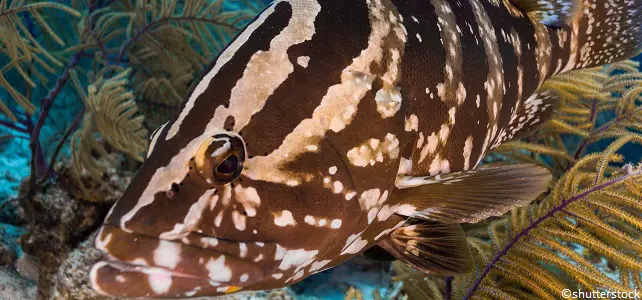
431 247
554 13
471 196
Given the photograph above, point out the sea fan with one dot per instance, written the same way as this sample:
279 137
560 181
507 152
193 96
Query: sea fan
585 232
27 57
112 119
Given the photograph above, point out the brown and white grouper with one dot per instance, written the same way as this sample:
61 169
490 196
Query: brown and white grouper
330 128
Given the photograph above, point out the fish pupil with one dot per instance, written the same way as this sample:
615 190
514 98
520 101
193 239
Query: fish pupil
229 165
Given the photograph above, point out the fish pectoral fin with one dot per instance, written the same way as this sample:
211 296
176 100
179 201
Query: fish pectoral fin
471 196
434 248
555 13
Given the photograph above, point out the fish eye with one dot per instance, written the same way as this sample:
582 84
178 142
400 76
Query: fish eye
219 159
229 165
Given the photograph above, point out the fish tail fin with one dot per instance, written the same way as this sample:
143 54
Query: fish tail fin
603 32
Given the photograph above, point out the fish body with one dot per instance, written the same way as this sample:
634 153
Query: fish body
325 125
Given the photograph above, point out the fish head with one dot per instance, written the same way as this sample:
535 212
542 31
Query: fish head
199 221
211 218
271 172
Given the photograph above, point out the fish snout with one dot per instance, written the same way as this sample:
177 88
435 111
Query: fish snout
142 266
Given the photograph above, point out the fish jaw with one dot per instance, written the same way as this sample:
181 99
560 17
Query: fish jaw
150 267
128 280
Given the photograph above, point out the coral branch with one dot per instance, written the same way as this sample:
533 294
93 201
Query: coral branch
617 121
100 43
449 288
61 143
543 218
603 128
47 102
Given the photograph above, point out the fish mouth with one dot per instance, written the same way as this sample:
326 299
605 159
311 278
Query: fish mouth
142 266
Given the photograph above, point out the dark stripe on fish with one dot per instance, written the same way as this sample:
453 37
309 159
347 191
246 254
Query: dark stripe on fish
284 109
468 117
421 69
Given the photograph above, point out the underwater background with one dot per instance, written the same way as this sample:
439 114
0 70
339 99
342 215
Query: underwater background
84 83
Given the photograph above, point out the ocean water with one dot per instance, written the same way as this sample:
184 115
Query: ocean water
15 168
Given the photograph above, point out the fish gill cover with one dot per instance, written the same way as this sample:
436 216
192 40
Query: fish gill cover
83 84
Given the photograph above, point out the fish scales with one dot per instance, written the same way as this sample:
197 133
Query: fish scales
331 128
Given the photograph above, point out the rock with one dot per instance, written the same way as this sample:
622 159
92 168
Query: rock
28 267
72 278
7 256
9 248
14 287
60 224
113 181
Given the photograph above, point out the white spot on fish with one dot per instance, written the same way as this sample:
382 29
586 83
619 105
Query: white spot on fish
303 61
218 271
167 254
239 220
284 219
332 170
439 166
159 280
295 258
309 220
242 250
371 214
317 265
388 102
350 195
373 151
412 123
338 187
468 148
336 223
356 246
244 278
407 210
209 242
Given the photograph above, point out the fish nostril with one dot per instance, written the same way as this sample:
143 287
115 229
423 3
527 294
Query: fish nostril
175 189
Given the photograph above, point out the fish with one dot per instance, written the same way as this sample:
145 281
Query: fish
329 129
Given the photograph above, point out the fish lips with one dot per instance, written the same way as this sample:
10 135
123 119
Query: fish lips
142 266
